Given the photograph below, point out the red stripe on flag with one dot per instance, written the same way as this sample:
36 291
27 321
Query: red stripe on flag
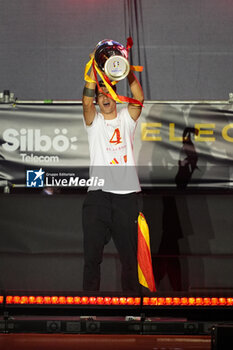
144 261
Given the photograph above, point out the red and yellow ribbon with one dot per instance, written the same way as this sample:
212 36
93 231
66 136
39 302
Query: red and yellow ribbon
109 84
145 269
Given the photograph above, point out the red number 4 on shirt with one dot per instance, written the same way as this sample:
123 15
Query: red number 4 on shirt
116 137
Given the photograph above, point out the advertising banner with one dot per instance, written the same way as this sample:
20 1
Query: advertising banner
176 145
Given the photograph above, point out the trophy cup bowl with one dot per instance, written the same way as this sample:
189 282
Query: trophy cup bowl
112 59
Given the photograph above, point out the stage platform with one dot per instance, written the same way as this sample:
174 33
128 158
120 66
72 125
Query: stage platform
24 341
113 332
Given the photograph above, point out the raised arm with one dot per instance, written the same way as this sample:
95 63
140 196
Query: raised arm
137 92
89 109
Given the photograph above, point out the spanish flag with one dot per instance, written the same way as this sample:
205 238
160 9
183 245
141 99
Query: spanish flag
145 270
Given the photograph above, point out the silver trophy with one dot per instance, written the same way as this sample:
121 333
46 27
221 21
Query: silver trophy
112 59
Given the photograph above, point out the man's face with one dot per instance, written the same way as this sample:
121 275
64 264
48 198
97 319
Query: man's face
107 105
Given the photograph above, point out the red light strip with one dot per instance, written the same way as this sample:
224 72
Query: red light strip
128 301
70 300
190 301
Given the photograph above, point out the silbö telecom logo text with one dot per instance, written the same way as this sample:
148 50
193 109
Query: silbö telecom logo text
38 178
48 147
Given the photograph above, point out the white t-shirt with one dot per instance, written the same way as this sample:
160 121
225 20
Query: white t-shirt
111 153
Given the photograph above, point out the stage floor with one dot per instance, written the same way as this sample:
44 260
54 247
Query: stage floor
103 342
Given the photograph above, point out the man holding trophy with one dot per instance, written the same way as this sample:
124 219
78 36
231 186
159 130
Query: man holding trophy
111 212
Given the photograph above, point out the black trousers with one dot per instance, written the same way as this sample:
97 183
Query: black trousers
108 215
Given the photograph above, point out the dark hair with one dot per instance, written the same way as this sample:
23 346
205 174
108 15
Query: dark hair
101 84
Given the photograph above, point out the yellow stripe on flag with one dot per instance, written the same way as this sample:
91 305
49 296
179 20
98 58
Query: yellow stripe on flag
141 278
